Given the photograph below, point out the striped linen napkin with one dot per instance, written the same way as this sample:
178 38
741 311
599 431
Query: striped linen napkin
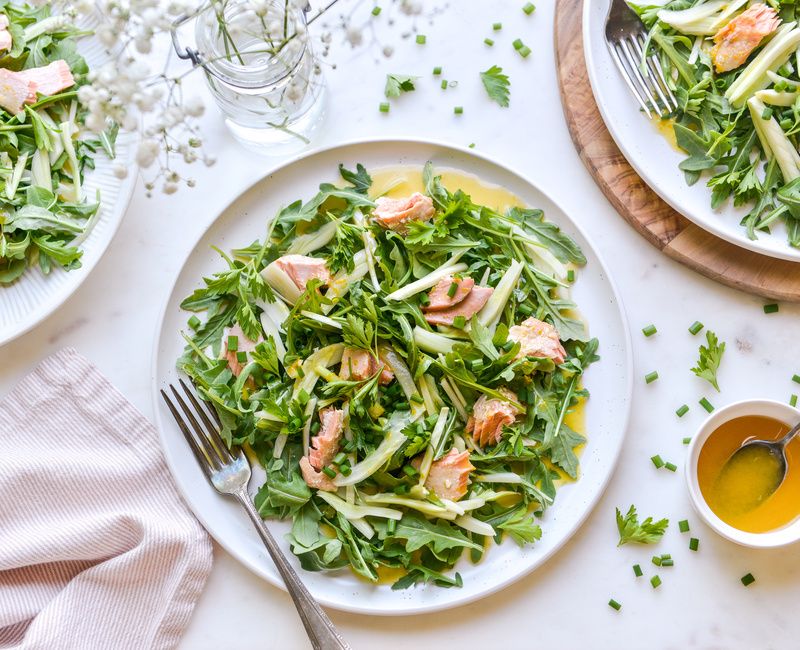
97 550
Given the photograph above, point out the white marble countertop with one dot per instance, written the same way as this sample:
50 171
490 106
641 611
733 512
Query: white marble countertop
112 319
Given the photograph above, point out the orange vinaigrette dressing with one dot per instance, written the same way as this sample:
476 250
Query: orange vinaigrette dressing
722 496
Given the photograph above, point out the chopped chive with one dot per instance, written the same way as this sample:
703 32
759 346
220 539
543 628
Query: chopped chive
670 466
695 327
383 107
650 377
649 330
329 472
766 114
460 322
570 275
796 379
339 458
349 445
303 396
657 461
656 560
686 441
315 426
793 400
458 110
300 372
525 310
233 343
708 406
408 470
345 469
451 290
682 410
780 86
655 581
423 298
748 580
488 41
666 556
437 71
472 145
497 26
518 44
683 525
391 526
786 124
637 571
524 51
194 322
771 308
376 11
693 544
529 8
402 406
667 562
416 397
421 39
401 489
444 84
241 357
613 604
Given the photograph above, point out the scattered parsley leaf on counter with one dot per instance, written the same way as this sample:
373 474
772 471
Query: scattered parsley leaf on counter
710 357
630 530
397 84
497 85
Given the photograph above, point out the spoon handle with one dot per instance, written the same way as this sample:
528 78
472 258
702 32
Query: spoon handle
789 436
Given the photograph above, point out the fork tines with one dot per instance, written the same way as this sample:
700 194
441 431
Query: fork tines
208 447
644 77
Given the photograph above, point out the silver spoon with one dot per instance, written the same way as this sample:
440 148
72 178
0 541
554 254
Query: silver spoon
775 448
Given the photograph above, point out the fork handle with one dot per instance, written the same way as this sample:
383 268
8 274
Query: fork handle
320 629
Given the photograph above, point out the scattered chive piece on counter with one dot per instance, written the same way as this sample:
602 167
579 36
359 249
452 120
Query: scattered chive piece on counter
458 110
529 8
748 580
657 461
771 308
655 581
656 560
570 275
686 441
421 39
693 544
650 377
708 406
497 26
383 107
444 84
672 467
667 562
518 44
488 41
376 11
649 330
437 71
683 410
637 571
793 400
613 604
524 51
796 379
695 328
683 525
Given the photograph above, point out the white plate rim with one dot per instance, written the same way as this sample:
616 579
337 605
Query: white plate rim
613 455
708 221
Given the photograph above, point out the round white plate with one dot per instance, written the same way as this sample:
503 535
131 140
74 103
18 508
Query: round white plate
606 413
34 296
651 154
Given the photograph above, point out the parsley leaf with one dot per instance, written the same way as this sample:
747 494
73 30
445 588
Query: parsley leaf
419 532
497 85
397 84
710 357
630 530
359 179
522 527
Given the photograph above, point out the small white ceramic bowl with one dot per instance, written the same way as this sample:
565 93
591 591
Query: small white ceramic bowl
768 408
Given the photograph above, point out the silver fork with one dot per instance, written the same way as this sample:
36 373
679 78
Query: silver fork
229 473
625 36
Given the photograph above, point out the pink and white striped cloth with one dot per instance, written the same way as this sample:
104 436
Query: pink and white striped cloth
97 550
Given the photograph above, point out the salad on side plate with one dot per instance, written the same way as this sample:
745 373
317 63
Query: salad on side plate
404 367
734 67
44 214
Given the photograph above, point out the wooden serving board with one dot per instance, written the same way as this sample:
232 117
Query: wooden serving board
656 221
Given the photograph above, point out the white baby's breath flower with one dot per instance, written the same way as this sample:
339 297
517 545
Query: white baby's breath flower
147 152
169 188
194 106
120 171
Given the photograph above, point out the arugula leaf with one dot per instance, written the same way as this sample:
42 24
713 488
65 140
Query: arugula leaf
522 527
563 247
481 336
359 179
562 450
419 532
280 492
497 85
417 573
709 360
630 530
397 84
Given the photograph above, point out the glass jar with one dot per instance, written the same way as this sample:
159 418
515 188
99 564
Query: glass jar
260 67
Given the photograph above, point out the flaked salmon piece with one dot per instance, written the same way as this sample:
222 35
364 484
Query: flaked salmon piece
537 339
49 79
736 41
314 478
14 91
5 35
467 308
395 214
358 365
326 443
490 415
243 344
449 476
439 298
301 269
